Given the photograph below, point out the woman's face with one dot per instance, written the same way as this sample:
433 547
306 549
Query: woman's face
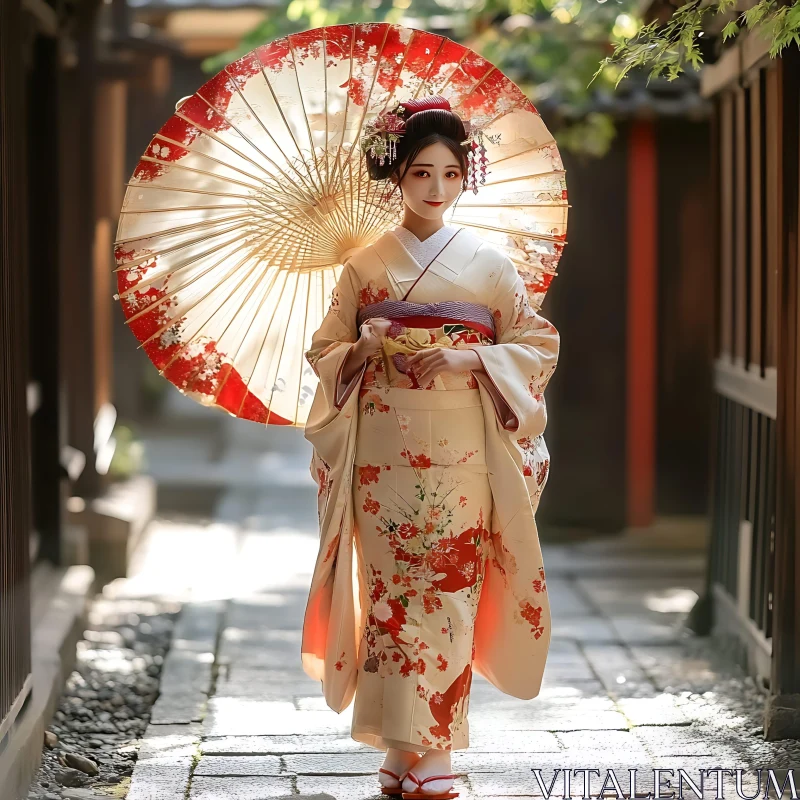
433 181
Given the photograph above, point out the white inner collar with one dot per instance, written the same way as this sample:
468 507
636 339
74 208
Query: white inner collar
424 252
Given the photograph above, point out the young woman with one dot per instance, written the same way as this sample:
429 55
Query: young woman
428 452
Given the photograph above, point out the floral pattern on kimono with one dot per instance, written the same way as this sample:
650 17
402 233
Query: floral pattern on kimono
511 633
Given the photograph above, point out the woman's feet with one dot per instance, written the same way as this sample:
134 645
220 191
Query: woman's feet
434 762
396 764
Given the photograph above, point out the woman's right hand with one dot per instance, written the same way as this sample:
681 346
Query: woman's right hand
372 333
368 343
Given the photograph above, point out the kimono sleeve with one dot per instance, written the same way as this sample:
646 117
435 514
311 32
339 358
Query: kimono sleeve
519 365
332 342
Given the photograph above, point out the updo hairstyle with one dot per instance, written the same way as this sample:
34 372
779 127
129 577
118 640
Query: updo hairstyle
427 120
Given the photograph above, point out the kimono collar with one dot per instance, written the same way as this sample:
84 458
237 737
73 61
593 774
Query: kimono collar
403 269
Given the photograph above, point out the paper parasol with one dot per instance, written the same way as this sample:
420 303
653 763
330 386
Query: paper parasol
241 211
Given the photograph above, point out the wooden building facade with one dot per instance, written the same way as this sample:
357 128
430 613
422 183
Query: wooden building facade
755 550
63 102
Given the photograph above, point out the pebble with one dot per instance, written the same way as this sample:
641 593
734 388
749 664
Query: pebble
104 709
81 762
70 777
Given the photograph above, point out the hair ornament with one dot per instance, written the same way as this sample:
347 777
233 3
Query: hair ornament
383 132
477 159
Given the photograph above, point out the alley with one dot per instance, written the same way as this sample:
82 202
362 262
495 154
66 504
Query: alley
626 686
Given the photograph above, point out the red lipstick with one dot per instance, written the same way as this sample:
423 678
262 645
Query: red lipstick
436 203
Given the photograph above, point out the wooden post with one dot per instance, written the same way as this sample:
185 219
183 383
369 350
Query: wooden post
642 323
15 501
782 719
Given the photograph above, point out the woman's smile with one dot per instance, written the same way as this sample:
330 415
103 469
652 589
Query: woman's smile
434 202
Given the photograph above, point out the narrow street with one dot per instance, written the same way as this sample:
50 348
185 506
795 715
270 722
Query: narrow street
626 686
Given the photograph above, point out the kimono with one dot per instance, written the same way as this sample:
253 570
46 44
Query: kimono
429 564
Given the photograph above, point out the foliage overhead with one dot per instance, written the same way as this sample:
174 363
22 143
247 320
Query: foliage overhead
550 48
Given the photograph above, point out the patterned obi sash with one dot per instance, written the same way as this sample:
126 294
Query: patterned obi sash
432 315
419 326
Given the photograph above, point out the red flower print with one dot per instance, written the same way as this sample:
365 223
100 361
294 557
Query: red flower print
539 584
368 474
431 601
443 705
378 590
408 531
441 659
371 294
422 461
341 662
462 501
371 506
533 615
541 471
398 618
458 558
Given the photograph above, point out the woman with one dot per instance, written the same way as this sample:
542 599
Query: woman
429 458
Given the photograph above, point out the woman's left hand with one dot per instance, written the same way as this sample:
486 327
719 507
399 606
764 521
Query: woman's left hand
430 362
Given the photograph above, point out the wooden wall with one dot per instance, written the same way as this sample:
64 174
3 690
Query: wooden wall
591 393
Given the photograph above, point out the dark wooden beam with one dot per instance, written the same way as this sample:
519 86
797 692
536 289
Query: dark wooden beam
783 709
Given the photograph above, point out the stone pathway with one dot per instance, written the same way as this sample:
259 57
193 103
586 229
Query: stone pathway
626 686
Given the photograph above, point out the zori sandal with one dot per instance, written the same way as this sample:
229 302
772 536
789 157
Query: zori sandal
396 791
420 795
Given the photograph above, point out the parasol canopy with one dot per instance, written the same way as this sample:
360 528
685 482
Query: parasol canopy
246 203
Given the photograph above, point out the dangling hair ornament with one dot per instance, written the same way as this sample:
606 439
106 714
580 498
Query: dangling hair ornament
382 134
477 159
384 131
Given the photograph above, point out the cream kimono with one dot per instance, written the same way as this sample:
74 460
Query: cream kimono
429 564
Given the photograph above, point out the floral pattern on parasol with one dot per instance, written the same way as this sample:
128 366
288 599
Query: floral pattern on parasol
246 203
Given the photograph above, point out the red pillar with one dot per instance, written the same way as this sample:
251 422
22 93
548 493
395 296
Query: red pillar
641 323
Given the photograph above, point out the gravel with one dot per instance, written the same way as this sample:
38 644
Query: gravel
94 737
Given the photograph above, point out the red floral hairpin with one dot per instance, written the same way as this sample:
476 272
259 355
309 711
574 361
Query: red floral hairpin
384 131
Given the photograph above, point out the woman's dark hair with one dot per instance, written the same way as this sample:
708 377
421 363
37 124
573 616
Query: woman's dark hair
424 128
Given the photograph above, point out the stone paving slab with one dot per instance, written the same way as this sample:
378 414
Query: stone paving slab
577 745
187 674
173 741
583 629
232 715
366 763
357 787
644 630
495 741
663 709
595 713
297 743
160 778
654 596
227 766
692 740
241 788
567 597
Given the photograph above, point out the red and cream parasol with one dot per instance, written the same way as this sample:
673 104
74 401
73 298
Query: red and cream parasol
245 204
